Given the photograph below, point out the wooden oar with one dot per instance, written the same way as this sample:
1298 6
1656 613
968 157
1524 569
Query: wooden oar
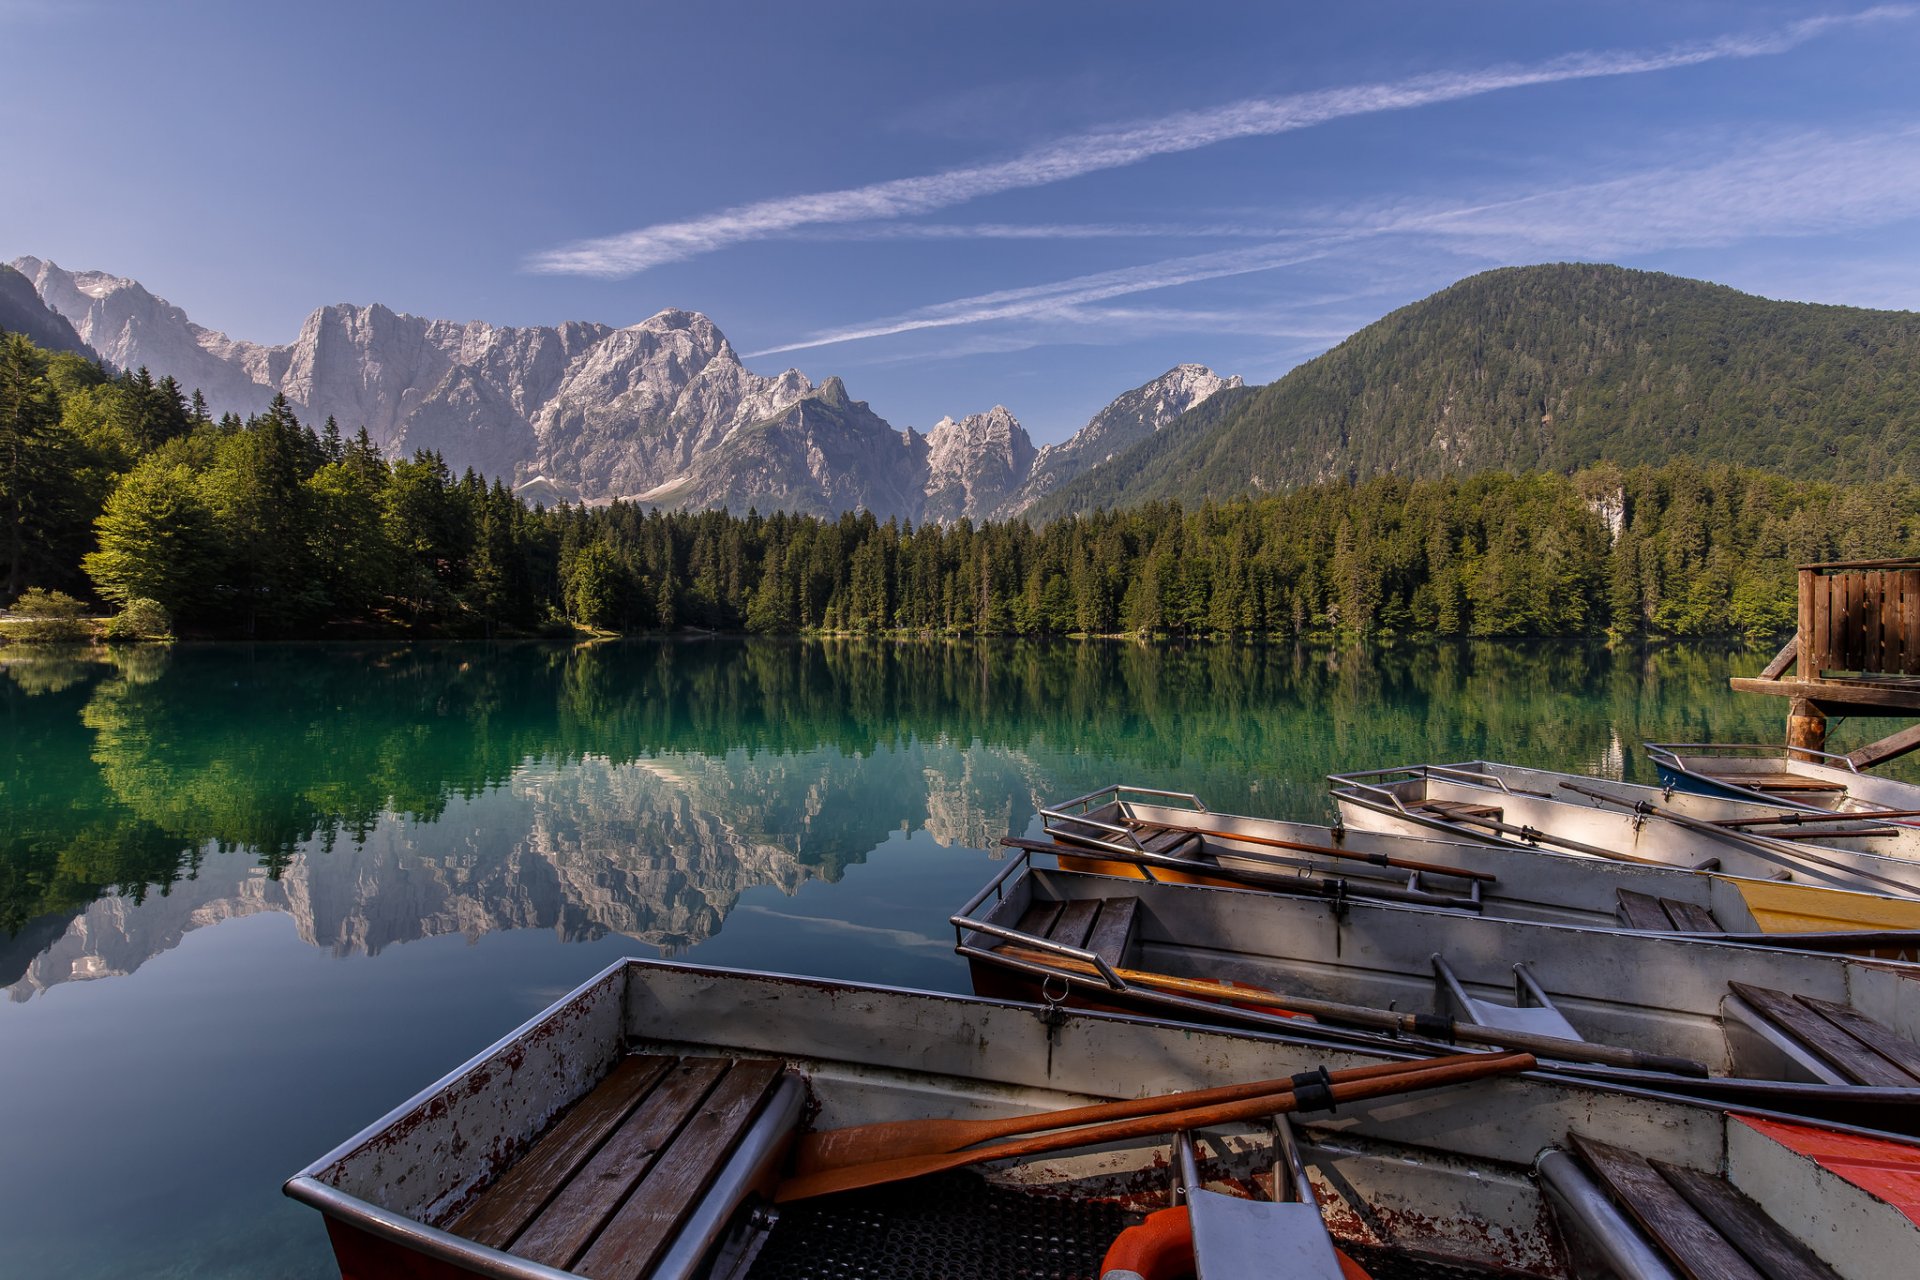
897 1139
1430 1026
1816 818
880 1172
1331 851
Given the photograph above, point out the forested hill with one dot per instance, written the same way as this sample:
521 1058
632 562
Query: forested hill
1554 368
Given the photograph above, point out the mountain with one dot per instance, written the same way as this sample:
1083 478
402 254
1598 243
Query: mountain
22 312
662 411
130 327
1132 418
975 464
823 454
1553 368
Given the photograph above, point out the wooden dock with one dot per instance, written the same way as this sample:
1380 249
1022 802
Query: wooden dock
1855 652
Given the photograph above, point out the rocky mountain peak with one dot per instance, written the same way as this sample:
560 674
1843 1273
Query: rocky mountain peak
975 463
1132 417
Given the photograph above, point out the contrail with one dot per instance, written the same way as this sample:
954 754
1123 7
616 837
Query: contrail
1058 161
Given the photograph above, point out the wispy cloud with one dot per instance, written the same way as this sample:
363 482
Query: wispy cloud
1783 186
1043 231
1061 298
1072 157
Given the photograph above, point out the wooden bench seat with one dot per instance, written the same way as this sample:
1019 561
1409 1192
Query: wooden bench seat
1103 926
1782 782
1666 915
1699 1220
1850 1042
604 1191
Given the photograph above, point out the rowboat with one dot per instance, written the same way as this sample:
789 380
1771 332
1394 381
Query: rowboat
582 1144
1799 778
1148 833
1611 821
1820 1035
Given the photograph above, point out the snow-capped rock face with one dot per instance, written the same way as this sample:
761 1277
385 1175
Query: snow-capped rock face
975 463
1131 418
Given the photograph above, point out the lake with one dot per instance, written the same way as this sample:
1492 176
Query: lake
252 897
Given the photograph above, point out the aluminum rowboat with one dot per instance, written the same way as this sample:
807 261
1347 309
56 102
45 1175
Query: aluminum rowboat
1796 778
1712 1003
1146 833
1449 803
1483 1175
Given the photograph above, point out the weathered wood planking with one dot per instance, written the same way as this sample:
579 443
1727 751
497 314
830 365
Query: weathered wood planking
1806 656
575 1216
1901 1052
1075 922
1759 1239
526 1188
1843 1051
640 1230
1682 1232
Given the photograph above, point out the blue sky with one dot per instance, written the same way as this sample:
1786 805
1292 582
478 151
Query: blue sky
953 206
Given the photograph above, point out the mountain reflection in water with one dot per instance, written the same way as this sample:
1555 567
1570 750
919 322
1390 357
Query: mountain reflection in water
379 795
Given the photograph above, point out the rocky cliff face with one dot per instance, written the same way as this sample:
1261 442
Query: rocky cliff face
130 327
975 464
1131 418
22 312
821 455
661 411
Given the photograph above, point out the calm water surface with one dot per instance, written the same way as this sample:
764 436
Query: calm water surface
250 898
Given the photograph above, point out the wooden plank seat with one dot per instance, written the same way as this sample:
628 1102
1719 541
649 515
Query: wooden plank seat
1168 842
1848 1041
1103 926
1782 782
1664 915
604 1191
1703 1224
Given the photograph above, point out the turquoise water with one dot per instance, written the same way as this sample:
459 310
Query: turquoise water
251 898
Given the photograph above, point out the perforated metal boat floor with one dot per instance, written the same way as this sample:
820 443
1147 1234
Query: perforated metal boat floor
959 1227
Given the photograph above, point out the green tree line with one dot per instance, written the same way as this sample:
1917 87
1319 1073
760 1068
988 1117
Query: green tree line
125 488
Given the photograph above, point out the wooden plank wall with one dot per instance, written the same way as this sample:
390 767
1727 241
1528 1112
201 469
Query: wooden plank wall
1864 620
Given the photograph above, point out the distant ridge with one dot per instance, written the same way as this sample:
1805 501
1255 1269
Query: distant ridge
1552 368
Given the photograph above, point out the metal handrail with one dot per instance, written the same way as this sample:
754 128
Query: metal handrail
1081 819
964 925
1351 780
1469 775
1118 789
1668 749
995 886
